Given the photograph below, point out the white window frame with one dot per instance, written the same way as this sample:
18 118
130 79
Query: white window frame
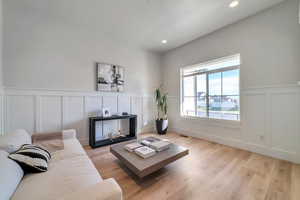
207 95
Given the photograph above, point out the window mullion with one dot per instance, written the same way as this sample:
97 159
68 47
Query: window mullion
183 92
221 93
207 95
195 94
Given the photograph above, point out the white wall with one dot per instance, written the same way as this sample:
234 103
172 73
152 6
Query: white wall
269 44
43 50
49 67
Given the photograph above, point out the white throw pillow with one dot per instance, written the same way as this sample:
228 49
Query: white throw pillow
11 175
11 142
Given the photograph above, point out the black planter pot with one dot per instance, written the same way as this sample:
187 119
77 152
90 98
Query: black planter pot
162 126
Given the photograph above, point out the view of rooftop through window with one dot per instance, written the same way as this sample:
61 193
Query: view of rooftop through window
211 90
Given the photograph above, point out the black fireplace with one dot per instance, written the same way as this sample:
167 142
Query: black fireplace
107 141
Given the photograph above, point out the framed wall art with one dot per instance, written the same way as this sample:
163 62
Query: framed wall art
110 77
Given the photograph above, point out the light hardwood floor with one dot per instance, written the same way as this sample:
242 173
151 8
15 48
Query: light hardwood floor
210 172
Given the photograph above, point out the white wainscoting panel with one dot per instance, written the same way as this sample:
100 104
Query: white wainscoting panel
137 109
38 110
20 113
111 103
285 122
74 115
148 113
254 114
124 105
270 123
93 107
51 114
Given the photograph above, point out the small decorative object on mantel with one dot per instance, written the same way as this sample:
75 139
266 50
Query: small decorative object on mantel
110 77
114 135
105 112
162 110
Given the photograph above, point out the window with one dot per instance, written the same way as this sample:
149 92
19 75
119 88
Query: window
211 89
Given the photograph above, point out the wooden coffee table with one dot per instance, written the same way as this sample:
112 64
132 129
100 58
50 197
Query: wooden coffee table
145 166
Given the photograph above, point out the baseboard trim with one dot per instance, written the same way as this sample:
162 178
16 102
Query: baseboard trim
238 143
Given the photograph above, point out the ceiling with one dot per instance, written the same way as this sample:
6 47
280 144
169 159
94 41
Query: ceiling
145 23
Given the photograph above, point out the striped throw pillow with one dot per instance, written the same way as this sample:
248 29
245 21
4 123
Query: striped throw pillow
31 158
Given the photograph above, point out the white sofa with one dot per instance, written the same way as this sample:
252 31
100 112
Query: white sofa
71 175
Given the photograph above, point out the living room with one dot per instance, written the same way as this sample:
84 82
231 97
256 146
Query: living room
217 82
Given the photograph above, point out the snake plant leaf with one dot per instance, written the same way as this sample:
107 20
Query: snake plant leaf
162 104
157 96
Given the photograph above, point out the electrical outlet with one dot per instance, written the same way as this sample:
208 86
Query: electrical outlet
298 82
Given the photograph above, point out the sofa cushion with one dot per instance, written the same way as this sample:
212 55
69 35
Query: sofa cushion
11 175
105 190
31 158
11 142
72 148
63 176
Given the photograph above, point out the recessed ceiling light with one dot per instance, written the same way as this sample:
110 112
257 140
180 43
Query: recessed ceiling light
164 41
234 4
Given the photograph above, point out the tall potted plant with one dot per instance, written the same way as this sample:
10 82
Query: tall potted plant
162 110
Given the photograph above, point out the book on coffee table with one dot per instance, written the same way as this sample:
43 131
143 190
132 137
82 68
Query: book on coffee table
160 145
145 152
132 146
148 141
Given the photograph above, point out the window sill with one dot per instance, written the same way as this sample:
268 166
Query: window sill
215 122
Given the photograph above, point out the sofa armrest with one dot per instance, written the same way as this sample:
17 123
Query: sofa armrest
104 190
66 134
69 134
